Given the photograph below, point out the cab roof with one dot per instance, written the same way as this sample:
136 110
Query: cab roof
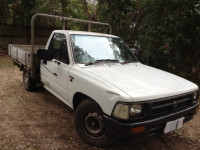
85 33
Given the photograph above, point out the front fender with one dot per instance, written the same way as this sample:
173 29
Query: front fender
101 91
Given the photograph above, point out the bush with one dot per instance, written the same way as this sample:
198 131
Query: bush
169 36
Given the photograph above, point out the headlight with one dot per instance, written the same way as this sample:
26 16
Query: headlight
195 96
123 111
135 109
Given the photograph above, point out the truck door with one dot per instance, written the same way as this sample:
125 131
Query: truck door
57 70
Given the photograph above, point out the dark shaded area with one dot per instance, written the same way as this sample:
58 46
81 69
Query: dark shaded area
166 33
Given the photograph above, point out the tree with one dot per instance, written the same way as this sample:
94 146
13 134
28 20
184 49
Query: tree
17 13
90 8
122 16
168 32
169 36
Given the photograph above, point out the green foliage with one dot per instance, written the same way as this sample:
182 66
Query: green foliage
121 15
169 36
168 32
5 12
17 12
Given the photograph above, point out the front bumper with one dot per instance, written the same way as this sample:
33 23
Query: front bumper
153 126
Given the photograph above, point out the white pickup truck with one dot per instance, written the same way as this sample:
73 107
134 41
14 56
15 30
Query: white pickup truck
112 93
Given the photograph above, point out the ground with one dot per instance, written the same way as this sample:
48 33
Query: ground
38 120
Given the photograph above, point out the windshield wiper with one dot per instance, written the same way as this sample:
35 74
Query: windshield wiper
129 60
101 60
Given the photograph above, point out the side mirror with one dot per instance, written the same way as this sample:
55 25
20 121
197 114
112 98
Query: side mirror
45 54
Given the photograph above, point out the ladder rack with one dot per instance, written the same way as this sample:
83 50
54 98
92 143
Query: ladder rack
63 27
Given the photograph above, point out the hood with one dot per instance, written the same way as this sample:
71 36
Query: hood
142 82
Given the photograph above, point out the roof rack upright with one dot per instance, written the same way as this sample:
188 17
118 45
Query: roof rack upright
63 27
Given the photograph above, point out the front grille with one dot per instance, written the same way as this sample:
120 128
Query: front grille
166 106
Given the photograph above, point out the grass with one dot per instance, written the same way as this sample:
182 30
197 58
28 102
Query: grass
6 62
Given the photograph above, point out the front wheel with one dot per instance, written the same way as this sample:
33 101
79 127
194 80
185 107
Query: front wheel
89 124
29 83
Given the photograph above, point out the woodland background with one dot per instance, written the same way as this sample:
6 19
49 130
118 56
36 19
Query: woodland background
166 33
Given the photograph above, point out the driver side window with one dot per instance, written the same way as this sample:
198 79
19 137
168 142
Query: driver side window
58 45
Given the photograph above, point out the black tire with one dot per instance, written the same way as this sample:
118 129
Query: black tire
88 119
29 83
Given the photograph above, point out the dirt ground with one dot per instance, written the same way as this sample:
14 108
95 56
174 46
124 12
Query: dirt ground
38 120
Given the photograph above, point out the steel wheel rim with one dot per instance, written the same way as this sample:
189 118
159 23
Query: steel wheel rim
93 125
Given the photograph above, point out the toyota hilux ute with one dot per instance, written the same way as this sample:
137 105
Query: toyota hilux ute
113 94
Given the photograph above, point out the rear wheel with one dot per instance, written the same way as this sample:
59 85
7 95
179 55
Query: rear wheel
29 83
89 124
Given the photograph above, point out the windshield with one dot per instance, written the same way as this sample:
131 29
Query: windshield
91 49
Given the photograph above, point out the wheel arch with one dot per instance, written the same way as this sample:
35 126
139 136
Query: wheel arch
79 97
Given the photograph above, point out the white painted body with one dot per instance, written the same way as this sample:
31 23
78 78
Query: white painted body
110 83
